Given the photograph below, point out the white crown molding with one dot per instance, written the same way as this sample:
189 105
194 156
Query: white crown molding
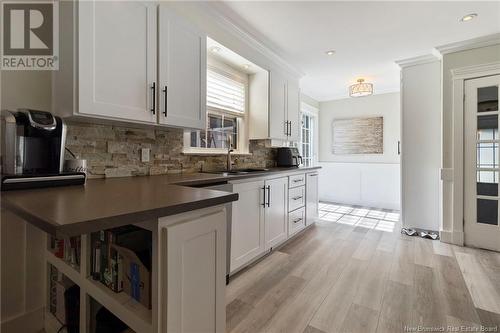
420 60
476 71
244 35
469 44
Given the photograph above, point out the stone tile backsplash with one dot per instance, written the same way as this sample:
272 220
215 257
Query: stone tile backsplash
115 151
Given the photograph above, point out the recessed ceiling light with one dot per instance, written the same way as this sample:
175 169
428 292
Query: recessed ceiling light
215 49
331 52
246 66
468 17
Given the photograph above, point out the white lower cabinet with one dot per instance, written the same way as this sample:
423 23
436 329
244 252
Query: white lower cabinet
312 199
296 198
276 211
268 212
260 219
248 227
296 221
195 274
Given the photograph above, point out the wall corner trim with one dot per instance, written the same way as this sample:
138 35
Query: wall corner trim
469 44
419 60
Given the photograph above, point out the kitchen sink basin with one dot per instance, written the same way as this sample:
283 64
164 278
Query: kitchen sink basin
237 171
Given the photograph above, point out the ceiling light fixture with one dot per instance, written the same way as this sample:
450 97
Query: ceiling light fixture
360 89
468 17
330 53
215 49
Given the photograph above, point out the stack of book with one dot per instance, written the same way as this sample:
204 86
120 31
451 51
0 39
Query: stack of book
121 260
67 248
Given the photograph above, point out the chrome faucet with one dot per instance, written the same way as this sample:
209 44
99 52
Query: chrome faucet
229 150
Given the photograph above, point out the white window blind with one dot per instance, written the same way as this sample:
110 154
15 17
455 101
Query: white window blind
225 93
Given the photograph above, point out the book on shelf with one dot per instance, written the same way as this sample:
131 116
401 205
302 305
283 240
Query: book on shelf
67 249
119 252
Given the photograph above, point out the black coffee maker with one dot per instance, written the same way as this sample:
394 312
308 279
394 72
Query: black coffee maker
33 150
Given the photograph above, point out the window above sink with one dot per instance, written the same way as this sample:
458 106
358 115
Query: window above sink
228 76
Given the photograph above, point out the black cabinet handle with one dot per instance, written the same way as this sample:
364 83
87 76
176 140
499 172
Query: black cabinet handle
269 196
297 220
264 190
399 147
165 101
297 198
153 89
290 130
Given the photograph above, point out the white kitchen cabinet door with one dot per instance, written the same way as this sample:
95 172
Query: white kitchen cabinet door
293 110
312 199
194 271
276 212
277 106
117 59
248 228
182 71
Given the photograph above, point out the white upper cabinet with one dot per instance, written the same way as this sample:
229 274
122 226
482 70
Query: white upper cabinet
117 59
284 110
182 71
293 110
128 66
277 107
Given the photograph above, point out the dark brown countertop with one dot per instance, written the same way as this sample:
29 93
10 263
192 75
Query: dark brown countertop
106 203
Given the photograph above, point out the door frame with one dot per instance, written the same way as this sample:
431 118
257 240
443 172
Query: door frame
453 201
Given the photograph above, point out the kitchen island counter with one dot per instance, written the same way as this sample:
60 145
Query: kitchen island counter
112 202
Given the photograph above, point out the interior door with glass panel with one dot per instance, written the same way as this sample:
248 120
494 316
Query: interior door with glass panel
481 163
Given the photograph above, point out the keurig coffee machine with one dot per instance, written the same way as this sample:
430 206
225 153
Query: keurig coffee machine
32 151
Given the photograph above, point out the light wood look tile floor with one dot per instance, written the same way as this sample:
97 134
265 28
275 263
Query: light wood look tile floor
354 272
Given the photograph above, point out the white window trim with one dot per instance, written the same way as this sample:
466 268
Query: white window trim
243 138
314 112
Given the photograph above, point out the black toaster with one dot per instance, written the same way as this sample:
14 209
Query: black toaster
289 157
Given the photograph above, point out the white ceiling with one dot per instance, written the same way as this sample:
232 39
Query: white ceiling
367 36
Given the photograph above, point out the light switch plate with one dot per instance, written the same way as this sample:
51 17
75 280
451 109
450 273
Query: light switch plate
145 154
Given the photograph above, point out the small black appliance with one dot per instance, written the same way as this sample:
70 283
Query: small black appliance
289 157
32 151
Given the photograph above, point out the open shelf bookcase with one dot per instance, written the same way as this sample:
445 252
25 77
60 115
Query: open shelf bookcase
135 315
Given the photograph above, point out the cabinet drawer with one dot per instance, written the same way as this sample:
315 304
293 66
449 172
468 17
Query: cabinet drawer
296 221
296 198
297 180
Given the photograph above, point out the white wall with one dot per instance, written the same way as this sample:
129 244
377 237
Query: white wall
369 179
22 257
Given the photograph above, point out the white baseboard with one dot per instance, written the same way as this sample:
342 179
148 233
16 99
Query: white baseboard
452 237
28 322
